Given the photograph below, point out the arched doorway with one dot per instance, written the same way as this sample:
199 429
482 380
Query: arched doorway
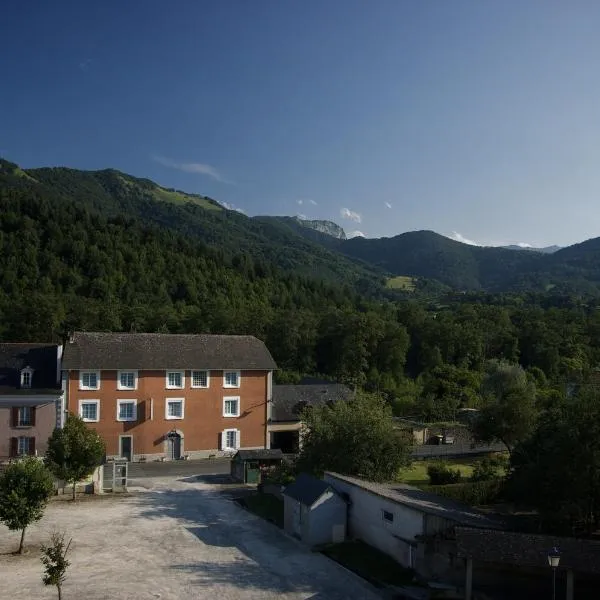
174 445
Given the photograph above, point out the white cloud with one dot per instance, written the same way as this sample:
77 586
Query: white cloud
301 217
313 202
346 213
300 202
524 245
229 206
388 204
190 167
461 238
355 233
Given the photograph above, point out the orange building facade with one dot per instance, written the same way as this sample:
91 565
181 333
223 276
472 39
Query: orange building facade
186 409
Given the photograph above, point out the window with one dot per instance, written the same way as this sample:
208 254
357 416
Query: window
175 380
230 439
24 416
89 410
23 446
26 375
231 379
231 406
126 410
199 379
174 408
127 380
89 380
387 516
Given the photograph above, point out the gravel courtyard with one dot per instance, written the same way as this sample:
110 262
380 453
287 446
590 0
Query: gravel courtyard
179 539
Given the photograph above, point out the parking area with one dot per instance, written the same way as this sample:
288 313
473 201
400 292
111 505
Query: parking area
180 538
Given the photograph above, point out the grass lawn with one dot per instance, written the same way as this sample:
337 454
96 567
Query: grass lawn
368 562
265 506
401 282
416 474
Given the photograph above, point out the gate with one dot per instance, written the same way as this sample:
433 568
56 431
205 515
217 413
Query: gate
115 476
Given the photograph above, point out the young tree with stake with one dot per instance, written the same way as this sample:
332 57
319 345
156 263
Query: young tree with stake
54 559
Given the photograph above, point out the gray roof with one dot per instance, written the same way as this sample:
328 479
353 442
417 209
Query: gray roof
42 358
425 502
307 489
165 351
527 549
259 454
290 400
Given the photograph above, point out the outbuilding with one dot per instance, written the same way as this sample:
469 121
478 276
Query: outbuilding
248 466
314 511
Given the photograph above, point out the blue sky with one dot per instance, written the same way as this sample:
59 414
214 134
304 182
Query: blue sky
471 118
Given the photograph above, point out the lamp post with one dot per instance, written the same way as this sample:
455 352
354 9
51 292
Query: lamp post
553 561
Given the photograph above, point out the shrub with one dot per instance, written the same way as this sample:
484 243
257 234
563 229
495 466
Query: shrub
491 467
470 492
442 474
282 474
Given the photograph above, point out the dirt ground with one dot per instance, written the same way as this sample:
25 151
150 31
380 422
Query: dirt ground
178 539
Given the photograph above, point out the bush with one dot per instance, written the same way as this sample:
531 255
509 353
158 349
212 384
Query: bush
491 467
470 492
442 474
282 474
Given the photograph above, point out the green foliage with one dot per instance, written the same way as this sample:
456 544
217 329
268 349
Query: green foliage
25 488
353 438
557 469
473 493
490 467
54 559
441 474
282 474
74 451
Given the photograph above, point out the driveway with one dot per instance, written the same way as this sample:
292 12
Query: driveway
181 539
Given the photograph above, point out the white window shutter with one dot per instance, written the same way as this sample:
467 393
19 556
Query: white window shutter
223 440
237 438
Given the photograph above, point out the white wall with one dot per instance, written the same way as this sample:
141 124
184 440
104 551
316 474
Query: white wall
366 522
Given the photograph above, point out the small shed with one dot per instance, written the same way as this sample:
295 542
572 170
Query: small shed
314 511
248 466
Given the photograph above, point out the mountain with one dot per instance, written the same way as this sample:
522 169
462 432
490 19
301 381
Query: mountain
544 250
327 227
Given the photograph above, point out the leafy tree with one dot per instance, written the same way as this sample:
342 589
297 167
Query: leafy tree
509 410
54 559
557 470
74 451
356 437
25 488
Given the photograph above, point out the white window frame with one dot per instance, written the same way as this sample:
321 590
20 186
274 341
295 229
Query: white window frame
89 401
135 380
230 399
170 417
200 387
175 387
30 414
87 387
26 372
224 445
239 379
385 512
27 445
127 401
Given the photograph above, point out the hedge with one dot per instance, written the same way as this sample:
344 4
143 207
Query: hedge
469 492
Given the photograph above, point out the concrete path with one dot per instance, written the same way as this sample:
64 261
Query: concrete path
181 539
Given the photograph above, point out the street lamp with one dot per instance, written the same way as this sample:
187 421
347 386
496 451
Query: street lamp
553 561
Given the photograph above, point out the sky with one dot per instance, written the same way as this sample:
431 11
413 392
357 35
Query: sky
478 120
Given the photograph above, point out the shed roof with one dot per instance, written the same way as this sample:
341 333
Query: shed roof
42 358
424 502
111 351
527 550
307 489
259 454
290 400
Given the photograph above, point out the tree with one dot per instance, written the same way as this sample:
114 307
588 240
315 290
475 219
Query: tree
25 488
54 559
355 437
557 470
509 410
74 451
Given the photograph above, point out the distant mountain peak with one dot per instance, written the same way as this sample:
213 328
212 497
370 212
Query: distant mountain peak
327 227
